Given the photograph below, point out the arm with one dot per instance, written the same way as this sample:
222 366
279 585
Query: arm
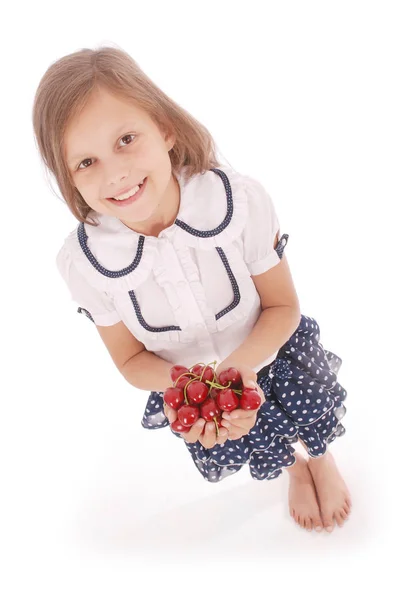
279 318
140 367
271 331
146 371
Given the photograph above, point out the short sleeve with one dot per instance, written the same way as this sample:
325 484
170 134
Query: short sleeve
260 230
93 303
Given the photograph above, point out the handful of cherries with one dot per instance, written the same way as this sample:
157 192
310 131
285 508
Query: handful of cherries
198 393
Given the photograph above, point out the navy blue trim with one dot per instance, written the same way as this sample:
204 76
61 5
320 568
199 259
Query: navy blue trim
227 219
142 320
282 244
85 312
237 295
82 237
234 285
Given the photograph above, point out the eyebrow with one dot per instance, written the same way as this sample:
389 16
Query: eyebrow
82 155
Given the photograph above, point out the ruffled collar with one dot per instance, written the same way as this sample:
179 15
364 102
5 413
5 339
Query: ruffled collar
212 210
212 213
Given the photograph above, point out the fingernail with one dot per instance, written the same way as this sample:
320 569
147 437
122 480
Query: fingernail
226 416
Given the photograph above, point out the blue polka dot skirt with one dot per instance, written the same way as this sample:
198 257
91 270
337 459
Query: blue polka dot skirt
304 401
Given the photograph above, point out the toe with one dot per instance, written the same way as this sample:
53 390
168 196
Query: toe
317 524
344 514
328 524
339 519
309 524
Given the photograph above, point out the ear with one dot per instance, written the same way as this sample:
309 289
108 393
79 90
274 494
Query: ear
170 140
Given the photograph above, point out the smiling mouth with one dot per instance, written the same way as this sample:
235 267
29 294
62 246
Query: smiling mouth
141 187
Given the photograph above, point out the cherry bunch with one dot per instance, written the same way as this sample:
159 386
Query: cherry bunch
198 393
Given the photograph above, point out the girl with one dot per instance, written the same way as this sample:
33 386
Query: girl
178 259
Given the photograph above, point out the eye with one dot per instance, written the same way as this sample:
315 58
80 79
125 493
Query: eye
129 135
84 161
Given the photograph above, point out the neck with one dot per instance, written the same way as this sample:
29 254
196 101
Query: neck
165 214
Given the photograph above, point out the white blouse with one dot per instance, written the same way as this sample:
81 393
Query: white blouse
186 294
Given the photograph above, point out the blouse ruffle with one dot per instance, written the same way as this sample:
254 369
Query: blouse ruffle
214 215
129 249
208 214
114 246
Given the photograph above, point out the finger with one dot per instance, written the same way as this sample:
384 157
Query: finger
245 424
222 436
208 438
193 435
239 413
170 413
261 394
235 433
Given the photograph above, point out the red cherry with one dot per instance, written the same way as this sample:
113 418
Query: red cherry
197 392
174 397
207 375
213 393
188 414
176 371
227 400
231 376
250 399
182 381
209 410
179 427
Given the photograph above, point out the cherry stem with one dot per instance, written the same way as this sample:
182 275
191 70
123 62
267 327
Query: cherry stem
193 377
186 385
217 426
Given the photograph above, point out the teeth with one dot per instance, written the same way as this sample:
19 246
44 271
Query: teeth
130 192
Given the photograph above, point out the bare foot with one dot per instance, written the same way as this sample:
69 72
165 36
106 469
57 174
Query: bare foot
333 495
304 508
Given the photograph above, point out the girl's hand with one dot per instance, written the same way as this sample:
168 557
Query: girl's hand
208 438
239 422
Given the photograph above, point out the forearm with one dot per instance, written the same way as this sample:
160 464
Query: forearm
271 331
146 371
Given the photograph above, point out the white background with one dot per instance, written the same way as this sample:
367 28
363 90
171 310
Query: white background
305 96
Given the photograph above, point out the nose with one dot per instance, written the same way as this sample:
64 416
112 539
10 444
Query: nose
116 175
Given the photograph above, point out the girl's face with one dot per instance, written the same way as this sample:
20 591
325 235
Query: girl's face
112 146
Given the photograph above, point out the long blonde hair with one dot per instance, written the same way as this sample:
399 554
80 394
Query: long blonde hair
66 87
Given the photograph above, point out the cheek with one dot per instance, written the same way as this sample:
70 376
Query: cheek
152 151
89 190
